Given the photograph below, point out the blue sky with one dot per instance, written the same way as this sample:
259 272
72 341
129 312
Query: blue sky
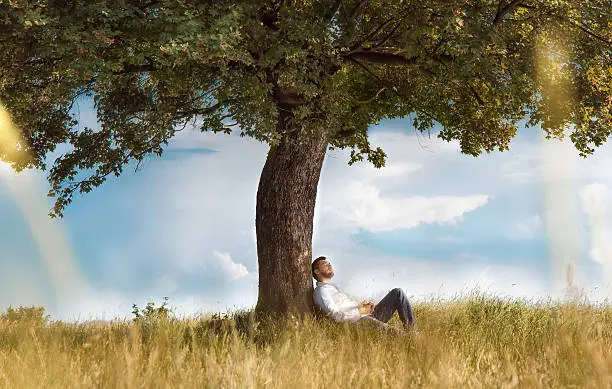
433 221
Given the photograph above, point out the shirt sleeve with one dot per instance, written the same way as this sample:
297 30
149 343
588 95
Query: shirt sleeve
323 298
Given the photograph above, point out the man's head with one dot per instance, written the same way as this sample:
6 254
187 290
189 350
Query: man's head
322 269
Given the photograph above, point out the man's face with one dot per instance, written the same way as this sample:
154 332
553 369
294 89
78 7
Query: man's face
325 269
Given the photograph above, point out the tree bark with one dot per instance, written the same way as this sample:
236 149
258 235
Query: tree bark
284 221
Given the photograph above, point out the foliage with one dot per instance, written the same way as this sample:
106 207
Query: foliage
475 67
151 312
32 316
473 342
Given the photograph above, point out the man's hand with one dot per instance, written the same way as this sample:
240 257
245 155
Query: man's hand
366 307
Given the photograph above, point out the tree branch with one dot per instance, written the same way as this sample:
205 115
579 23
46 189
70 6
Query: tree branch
589 32
373 97
201 111
389 35
137 68
392 56
401 16
43 61
503 10
386 58
393 88
356 9
372 34
329 15
269 18
431 116
476 95
573 23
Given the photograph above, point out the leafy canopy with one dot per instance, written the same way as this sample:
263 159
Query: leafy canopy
476 67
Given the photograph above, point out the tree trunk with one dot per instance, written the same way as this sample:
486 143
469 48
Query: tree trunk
284 215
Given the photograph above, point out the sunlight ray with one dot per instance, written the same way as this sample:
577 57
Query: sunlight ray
27 192
558 167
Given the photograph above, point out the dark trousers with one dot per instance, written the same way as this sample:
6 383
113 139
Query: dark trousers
395 300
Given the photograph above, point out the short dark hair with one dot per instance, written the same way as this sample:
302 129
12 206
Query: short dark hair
315 265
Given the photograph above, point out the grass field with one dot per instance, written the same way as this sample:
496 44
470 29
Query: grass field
477 342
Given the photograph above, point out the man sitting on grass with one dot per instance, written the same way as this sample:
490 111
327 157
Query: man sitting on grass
339 307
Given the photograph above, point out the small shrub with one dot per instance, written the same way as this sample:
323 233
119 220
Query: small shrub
151 312
31 316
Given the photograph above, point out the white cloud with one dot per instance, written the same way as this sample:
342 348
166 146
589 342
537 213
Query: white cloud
450 239
366 274
5 169
361 196
166 284
361 206
208 202
24 177
392 171
193 211
230 268
543 160
595 198
527 228
92 304
108 304
522 168
397 144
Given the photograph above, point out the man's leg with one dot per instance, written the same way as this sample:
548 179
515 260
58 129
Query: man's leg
395 300
375 323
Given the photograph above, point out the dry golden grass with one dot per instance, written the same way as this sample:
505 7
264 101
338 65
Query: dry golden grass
478 342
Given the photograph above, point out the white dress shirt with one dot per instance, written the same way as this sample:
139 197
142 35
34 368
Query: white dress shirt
336 304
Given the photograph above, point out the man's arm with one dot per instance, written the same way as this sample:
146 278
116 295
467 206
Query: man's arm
324 299
366 307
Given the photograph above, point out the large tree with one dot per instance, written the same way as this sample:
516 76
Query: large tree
303 76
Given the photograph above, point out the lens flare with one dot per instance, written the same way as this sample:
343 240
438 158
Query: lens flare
561 208
9 136
26 190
